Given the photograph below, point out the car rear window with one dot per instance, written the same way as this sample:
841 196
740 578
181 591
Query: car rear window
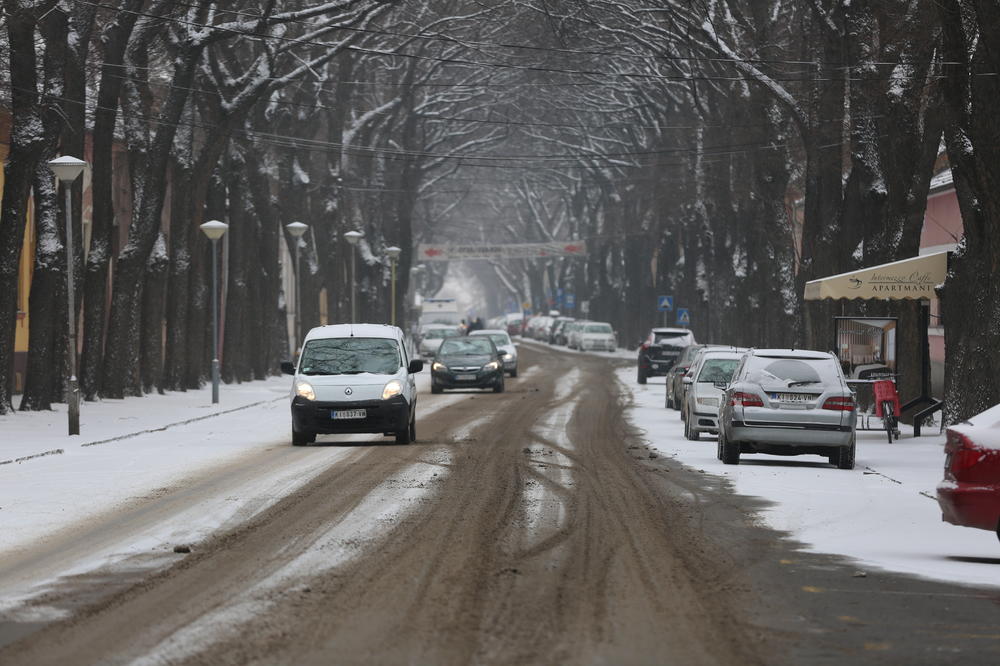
769 370
598 328
718 370
668 337
350 356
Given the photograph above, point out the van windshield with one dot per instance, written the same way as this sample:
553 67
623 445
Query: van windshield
350 356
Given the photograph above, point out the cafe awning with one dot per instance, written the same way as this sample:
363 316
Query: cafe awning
913 278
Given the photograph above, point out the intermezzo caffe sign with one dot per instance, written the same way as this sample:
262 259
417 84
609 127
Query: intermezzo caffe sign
910 278
920 284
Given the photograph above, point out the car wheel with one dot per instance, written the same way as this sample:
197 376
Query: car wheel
302 438
845 456
513 373
436 388
406 435
498 387
718 444
689 431
730 451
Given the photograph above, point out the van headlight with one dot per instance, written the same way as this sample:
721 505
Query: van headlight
392 389
439 366
492 365
305 390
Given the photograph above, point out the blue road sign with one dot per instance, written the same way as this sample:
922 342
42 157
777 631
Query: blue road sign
664 303
683 317
570 301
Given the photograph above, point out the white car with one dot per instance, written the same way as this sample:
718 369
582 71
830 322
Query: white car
431 337
503 343
353 378
596 336
706 382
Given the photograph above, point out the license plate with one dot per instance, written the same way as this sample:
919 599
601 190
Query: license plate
794 398
465 378
347 414
656 366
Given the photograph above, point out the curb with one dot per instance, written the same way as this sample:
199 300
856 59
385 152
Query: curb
143 432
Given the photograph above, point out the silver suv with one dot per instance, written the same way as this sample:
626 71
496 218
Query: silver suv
788 402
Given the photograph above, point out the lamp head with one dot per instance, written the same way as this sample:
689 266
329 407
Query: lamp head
393 252
214 229
353 237
66 168
296 229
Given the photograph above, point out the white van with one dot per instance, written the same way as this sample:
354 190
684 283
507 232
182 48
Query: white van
353 378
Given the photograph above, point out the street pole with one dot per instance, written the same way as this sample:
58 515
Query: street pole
215 321
393 253
67 169
215 230
297 229
354 237
73 395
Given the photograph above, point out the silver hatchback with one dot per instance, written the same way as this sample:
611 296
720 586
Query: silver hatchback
788 402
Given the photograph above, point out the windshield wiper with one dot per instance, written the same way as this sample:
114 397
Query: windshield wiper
811 381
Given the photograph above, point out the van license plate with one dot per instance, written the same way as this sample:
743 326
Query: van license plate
347 414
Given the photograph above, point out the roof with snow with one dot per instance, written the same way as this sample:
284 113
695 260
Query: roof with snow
355 331
942 181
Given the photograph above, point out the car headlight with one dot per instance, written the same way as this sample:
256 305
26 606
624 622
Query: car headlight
392 389
305 390
439 366
492 365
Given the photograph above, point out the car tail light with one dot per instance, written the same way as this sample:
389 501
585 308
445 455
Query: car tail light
741 399
963 455
645 345
840 404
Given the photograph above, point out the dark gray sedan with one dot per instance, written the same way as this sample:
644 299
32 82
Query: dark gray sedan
788 402
468 362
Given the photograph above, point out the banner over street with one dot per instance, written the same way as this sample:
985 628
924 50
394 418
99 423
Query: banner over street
430 252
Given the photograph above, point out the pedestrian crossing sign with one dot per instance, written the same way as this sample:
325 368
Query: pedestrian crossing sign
683 317
664 303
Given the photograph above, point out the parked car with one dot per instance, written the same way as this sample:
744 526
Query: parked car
353 378
597 336
431 337
969 495
556 327
562 332
573 330
659 350
706 385
788 402
676 374
505 344
468 362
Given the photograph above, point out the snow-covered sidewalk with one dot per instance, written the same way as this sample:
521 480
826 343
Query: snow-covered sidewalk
26 436
883 513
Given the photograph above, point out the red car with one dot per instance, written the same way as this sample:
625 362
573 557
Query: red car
969 495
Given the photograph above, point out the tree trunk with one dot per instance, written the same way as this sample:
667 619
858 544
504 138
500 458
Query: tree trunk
26 146
153 309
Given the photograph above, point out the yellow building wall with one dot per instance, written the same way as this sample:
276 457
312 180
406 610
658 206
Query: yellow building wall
23 286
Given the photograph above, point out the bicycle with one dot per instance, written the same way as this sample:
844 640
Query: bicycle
887 406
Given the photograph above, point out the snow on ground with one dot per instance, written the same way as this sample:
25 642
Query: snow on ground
883 513
138 448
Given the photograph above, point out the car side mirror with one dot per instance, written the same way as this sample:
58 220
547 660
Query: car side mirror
415 367
721 385
287 367
687 380
501 353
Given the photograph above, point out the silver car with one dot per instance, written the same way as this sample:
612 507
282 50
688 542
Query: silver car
788 402
709 378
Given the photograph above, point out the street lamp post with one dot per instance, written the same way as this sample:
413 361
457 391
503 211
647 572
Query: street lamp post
354 237
297 229
67 169
393 253
215 230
